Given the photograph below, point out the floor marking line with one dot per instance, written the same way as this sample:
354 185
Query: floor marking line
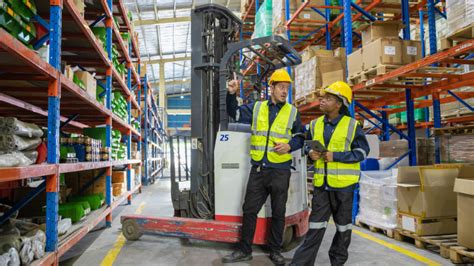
399 249
113 253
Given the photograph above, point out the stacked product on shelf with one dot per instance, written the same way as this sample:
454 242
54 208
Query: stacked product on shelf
319 69
100 33
83 79
135 123
119 105
460 14
16 18
382 50
18 142
85 149
119 181
279 13
119 149
378 199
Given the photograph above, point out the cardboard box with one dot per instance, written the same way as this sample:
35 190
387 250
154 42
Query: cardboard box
427 191
354 63
411 51
393 148
68 72
311 51
89 82
380 29
384 51
316 73
427 227
119 176
464 186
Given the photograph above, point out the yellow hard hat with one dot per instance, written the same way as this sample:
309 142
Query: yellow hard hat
340 89
280 75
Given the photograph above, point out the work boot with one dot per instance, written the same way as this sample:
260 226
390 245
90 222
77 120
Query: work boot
277 258
236 256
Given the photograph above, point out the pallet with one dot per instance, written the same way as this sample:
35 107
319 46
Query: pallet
388 232
459 36
371 73
459 130
439 244
309 98
460 254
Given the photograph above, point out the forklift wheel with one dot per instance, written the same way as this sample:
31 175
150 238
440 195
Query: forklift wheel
130 230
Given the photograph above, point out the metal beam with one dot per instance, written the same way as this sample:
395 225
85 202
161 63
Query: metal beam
166 60
161 21
174 82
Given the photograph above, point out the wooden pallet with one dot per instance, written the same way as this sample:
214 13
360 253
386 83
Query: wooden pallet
459 36
313 96
375 229
460 254
371 73
459 130
439 244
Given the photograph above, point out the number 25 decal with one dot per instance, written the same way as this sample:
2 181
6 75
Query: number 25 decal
224 137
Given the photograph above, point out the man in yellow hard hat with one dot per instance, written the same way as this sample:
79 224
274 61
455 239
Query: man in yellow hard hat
276 132
336 172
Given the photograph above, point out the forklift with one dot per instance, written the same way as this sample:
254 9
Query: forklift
210 208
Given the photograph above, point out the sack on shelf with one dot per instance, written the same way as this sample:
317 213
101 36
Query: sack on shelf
11 125
10 142
14 159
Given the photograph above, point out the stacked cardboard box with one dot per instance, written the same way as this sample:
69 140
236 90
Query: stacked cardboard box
460 13
381 45
279 13
457 148
319 69
119 182
76 181
464 186
426 200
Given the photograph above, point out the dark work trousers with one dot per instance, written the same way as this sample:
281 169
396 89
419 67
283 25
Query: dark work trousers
324 203
263 182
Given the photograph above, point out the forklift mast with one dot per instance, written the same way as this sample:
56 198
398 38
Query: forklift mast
215 56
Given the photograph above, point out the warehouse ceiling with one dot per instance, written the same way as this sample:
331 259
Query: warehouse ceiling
164 37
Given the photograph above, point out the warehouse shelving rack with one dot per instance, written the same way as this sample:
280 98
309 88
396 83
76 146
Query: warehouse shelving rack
154 137
400 86
36 91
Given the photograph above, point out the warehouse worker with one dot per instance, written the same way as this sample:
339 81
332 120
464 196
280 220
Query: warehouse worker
336 173
276 132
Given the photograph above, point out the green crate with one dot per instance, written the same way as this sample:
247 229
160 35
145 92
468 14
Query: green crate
26 9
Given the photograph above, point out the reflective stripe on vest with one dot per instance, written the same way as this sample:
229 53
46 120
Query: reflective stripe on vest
339 174
280 131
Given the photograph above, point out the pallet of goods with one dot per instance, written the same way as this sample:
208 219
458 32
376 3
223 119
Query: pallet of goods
319 69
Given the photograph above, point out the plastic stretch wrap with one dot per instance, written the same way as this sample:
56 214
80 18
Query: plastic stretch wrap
64 225
13 126
10 258
378 198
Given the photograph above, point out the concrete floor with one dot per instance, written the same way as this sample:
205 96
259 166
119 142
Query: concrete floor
157 250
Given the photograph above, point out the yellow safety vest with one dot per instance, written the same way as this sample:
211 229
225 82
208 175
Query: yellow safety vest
339 175
280 132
